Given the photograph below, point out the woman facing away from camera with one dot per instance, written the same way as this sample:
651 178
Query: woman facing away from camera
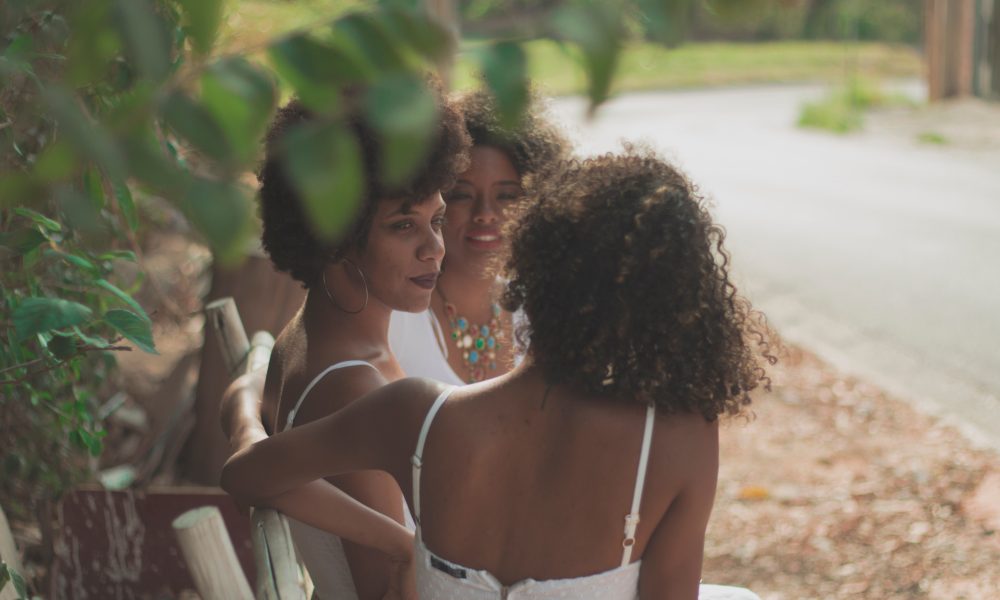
465 336
335 349
588 471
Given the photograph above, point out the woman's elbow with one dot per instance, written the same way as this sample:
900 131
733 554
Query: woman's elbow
236 482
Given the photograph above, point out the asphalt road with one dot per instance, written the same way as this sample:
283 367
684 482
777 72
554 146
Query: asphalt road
879 253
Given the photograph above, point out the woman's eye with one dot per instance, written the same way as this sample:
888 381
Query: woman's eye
402 225
438 222
457 197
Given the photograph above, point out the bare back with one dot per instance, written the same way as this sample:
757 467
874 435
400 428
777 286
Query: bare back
531 489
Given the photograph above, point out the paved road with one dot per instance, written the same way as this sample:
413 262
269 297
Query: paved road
881 254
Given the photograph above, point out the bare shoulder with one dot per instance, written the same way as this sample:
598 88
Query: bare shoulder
688 437
407 399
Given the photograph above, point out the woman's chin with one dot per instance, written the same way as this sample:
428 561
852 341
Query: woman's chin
414 304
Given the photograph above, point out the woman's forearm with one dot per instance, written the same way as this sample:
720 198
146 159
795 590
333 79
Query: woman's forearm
324 506
239 412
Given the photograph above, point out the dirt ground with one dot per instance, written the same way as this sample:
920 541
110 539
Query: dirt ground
836 490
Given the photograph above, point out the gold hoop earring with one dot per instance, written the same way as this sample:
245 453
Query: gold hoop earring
334 301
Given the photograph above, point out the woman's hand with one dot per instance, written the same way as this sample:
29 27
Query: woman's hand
402 580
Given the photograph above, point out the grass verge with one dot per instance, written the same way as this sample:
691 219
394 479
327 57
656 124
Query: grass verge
842 110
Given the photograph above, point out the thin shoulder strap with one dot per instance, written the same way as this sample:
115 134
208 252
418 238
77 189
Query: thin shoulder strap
341 365
417 460
632 519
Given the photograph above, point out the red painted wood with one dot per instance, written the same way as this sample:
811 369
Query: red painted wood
120 545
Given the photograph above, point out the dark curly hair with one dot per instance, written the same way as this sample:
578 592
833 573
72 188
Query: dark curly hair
623 277
534 144
286 234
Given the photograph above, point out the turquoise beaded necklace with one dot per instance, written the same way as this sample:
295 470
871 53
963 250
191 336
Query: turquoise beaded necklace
477 343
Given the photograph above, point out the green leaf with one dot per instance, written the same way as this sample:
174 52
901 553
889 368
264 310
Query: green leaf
137 330
17 188
73 259
505 69
62 346
426 35
39 219
37 315
16 57
20 241
8 574
91 340
325 165
95 187
598 29
667 21
126 204
222 212
369 36
107 285
149 164
145 36
202 19
78 129
91 442
404 112
240 97
56 162
120 255
195 123
315 70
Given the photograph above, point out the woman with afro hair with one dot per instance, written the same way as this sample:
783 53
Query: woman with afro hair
335 348
589 470
465 336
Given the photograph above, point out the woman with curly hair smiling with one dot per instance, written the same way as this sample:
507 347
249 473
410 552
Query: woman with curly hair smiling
335 348
531 485
465 335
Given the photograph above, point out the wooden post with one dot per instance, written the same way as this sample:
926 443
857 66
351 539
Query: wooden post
9 555
210 556
224 319
279 576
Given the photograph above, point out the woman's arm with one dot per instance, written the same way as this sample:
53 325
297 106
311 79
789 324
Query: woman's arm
671 563
352 520
378 431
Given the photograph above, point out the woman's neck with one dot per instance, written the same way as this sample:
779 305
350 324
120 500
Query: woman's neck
471 296
362 333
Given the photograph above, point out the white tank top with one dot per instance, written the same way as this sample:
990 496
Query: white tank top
320 551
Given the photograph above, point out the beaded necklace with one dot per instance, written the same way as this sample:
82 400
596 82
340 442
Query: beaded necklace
477 343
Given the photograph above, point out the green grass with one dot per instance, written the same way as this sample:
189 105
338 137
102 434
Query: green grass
932 137
643 66
648 66
842 110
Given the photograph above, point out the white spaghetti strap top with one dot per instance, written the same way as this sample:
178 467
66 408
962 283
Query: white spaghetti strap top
440 579
321 551
341 365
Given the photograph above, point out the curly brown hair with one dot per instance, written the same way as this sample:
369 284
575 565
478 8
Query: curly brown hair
534 144
624 280
287 236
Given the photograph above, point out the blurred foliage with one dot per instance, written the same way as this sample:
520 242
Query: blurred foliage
108 106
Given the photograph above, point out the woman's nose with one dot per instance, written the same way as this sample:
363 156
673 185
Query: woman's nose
486 211
432 248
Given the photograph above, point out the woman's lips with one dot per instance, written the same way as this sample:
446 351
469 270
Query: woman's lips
484 240
426 281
